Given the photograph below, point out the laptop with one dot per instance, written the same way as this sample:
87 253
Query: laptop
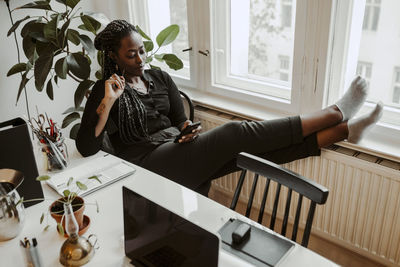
107 168
155 236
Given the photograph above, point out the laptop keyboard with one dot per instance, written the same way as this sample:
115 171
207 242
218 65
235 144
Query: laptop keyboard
166 257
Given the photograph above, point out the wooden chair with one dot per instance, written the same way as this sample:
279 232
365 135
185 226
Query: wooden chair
294 182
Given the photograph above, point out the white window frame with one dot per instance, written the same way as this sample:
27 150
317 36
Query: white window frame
309 57
287 3
368 22
284 66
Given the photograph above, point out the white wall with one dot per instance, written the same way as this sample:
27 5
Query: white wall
63 95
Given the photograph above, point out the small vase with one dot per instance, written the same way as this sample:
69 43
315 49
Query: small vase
78 206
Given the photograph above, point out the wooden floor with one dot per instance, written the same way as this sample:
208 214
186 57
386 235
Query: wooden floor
332 251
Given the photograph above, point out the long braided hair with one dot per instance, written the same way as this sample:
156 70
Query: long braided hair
132 119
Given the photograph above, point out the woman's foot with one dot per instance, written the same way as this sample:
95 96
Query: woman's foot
353 99
359 126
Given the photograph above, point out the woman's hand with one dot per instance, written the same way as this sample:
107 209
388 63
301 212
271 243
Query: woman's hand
191 136
114 87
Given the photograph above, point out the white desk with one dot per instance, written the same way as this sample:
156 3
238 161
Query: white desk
108 223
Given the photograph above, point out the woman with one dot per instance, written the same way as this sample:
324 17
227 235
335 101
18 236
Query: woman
142 112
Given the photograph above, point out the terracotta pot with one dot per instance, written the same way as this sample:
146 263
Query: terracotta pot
57 211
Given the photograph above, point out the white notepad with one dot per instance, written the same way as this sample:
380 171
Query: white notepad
108 169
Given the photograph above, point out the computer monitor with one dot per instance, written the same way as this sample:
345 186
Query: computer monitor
155 236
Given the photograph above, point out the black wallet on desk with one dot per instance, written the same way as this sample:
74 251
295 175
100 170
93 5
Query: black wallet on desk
260 248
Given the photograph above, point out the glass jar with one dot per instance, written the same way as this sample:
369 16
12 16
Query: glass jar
54 155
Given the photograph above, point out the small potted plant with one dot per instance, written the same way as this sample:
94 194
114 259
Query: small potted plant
71 198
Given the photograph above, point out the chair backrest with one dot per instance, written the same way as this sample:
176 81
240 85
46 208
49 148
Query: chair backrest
106 144
317 194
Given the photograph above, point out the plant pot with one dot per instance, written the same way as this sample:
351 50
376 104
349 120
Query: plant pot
78 204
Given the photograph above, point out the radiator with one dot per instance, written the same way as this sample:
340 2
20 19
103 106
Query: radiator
362 211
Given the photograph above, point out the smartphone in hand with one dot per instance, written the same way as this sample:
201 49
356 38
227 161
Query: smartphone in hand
187 130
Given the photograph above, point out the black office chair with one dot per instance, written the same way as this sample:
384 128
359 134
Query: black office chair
106 144
270 171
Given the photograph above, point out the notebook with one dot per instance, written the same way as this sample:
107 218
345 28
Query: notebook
155 236
108 169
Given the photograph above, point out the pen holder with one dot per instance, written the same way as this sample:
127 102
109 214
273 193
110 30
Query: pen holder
53 155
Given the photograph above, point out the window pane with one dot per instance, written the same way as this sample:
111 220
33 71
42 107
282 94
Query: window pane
379 54
163 14
260 32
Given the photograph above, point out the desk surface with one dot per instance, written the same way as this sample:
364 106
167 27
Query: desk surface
108 223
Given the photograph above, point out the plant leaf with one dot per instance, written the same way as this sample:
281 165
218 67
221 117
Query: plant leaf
32 26
73 109
72 3
167 35
46 228
41 218
173 61
90 23
97 207
55 79
73 36
159 57
155 67
78 65
29 47
100 17
19 67
83 27
66 193
148 45
15 25
22 84
70 181
50 30
145 36
81 91
42 68
95 177
70 118
100 58
61 68
98 75
74 131
60 229
149 59
49 90
37 5
81 186
87 43
42 178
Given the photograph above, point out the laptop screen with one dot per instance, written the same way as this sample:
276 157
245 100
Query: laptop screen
155 236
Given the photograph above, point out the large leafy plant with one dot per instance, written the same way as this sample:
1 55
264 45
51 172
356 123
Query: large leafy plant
56 49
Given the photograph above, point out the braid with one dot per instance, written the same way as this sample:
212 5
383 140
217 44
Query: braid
110 40
132 117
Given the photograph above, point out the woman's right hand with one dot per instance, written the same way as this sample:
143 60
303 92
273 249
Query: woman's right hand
114 87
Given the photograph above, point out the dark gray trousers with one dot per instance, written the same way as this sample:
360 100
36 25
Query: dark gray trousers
213 154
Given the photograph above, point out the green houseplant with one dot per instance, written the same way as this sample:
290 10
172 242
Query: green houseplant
70 197
56 49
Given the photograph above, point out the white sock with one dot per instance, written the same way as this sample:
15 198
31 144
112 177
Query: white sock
353 99
359 126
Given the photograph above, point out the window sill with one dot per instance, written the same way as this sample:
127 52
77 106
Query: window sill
382 141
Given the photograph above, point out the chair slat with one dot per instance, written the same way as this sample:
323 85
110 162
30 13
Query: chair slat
275 209
264 200
297 218
238 189
287 209
307 230
251 197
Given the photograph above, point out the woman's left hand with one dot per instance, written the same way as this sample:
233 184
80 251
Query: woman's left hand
191 136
